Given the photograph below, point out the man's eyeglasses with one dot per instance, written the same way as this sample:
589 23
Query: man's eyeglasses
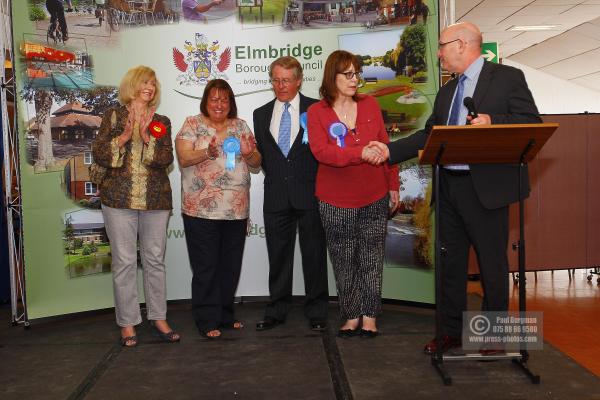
350 74
442 44
284 82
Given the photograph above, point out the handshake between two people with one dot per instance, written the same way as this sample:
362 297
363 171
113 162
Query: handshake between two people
375 153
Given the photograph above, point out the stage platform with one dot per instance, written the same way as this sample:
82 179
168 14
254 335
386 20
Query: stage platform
78 357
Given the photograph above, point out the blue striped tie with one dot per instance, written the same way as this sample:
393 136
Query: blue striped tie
285 128
458 100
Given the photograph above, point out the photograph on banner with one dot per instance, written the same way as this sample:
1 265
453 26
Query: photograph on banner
86 246
394 71
207 10
52 67
263 12
370 14
62 124
77 182
96 22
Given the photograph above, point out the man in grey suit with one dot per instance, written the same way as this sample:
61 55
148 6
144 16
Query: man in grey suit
474 199
289 199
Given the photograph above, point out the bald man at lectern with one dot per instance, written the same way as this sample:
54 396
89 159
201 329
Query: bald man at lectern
474 199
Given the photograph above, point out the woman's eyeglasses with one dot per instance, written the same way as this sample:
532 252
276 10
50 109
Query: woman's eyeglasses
351 74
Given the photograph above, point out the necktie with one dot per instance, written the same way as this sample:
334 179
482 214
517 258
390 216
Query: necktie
458 102
285 127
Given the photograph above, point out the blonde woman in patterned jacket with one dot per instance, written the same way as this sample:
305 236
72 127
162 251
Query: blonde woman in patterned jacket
134 145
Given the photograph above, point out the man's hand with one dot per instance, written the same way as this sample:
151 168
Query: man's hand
375 153
482 119
371 155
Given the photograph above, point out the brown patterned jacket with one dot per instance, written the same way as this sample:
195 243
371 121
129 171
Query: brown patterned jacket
136 176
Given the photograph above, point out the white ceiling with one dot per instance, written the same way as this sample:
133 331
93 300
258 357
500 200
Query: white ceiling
571 51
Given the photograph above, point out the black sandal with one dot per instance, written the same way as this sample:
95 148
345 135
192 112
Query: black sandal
132 340
167 337
204 334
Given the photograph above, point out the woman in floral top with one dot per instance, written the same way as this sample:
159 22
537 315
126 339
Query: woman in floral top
215 150
134 146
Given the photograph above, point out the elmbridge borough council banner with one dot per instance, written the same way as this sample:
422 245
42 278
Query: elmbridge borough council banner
65 86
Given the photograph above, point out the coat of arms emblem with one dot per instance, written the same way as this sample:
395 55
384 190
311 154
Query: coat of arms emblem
201 61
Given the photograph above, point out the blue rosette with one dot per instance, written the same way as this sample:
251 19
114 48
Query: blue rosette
338 131
304 125
231 147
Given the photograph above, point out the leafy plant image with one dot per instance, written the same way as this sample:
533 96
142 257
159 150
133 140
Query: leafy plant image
423 220
36 13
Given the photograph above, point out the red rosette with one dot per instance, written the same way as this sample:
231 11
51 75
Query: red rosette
157 129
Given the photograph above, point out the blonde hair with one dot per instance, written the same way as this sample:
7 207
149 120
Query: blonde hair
131 82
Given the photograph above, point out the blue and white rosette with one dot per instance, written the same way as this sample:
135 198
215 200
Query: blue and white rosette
231 147
304 125
338 131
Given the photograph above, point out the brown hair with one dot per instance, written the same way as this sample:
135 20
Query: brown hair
287 62
130 84
219 84
337 62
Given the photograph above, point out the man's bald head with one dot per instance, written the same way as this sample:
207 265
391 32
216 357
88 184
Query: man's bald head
466 31
459 46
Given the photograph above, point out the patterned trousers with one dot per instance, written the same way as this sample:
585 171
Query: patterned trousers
356 240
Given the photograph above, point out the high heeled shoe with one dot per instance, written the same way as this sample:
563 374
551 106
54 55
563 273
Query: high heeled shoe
129 341
167 337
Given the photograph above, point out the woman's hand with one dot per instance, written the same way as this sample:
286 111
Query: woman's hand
213 148
145 120
128 131
193 123
248 145
394 201
372 155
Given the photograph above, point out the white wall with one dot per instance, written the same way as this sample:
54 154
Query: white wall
553 95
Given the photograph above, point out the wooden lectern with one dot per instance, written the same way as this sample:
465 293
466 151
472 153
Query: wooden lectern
515 144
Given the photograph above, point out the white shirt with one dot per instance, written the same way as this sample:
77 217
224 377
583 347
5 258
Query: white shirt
294 110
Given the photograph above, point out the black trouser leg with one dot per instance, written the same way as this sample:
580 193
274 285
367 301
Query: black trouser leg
203 242
233 238
455 260
313 247
280 230
464 221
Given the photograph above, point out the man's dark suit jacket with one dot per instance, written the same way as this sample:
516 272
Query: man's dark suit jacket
288 181
502 93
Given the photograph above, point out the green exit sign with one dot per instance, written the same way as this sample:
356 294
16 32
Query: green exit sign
489 51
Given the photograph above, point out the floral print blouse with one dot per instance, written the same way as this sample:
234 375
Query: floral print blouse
208 189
